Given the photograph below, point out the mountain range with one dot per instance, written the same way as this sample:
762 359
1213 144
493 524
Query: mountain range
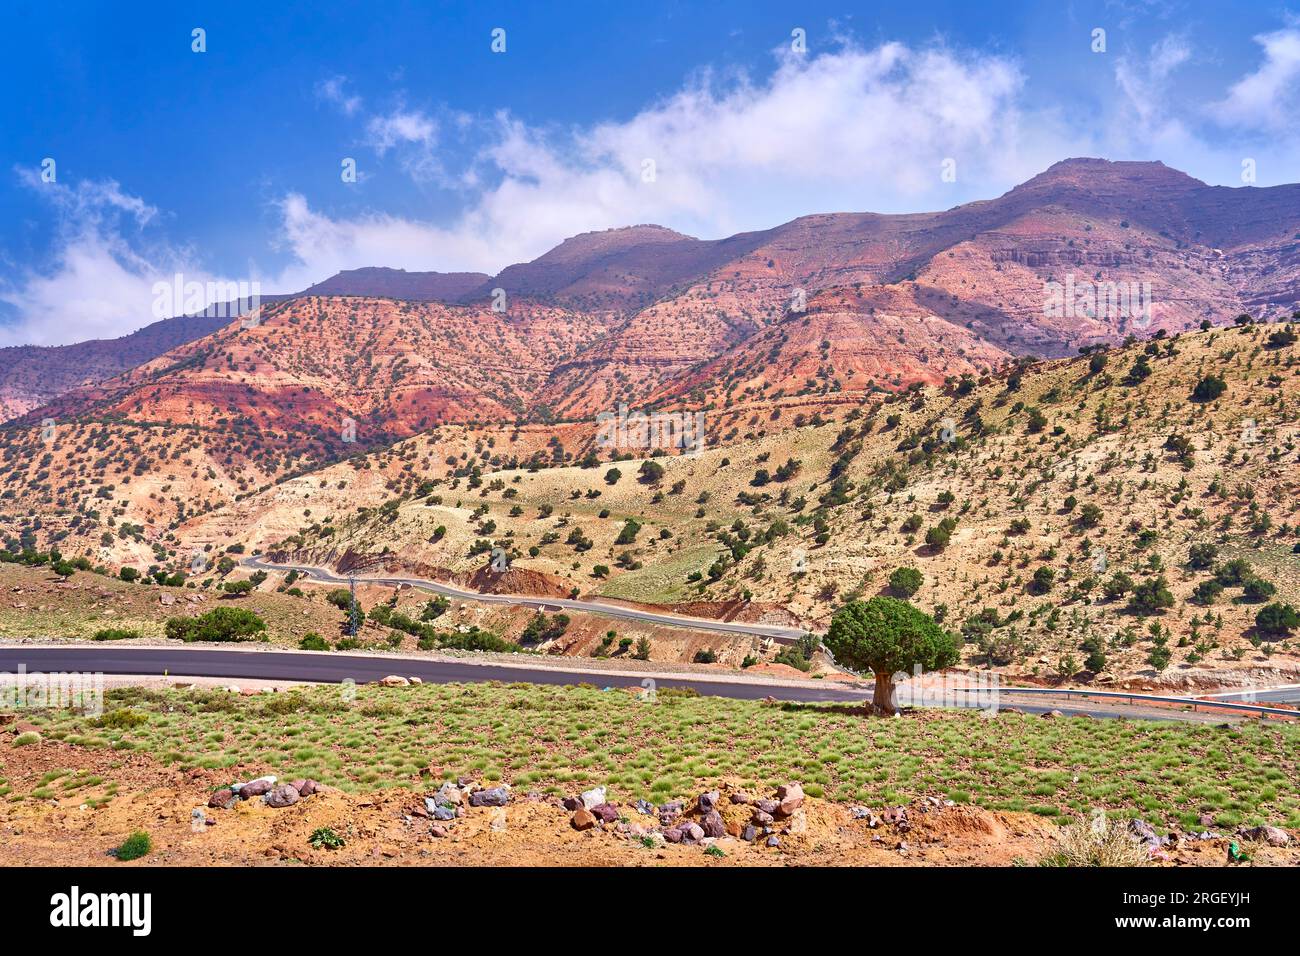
899 298
763 330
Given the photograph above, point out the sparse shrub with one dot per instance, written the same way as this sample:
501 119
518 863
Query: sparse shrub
1096 842
115 634
220 624
313 642
906 581
324 838
138 844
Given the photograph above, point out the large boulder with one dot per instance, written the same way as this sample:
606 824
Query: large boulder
393 680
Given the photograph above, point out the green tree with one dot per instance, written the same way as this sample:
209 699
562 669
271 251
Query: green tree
1151 596
1277 619
1159 657
651 472
1209 388
886 636
1044 578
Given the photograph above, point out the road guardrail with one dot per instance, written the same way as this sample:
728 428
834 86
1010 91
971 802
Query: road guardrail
1192 702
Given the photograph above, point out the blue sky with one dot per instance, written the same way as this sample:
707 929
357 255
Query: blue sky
226 164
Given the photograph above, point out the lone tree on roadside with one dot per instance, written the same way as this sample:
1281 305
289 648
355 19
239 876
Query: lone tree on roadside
886 636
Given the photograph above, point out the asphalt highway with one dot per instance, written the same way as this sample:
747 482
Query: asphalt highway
326 576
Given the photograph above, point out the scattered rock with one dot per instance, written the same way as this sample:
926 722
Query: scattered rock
709 800
605 812
254 788
223 799
496 797
774 840
438 830
1144 831
1273 836
282 796
692 833
762 819
644 807
394 680
673 834
573 803
712 825
865 813
750 833
740 797
791 797
593 797
1053 713
584 819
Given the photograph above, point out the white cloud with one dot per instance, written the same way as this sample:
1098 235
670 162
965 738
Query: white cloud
100 280
1145 82
853 129
401 126
334 91
1267 98
414 136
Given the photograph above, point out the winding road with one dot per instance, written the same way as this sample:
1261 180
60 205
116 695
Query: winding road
256 663
326 576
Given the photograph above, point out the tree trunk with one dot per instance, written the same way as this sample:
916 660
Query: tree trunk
885 700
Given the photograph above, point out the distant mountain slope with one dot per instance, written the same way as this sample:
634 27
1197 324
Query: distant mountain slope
31 375
379 282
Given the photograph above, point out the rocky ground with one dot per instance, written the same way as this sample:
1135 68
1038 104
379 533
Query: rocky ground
55 812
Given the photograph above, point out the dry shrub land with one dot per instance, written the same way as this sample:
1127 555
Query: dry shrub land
1126 512
934 788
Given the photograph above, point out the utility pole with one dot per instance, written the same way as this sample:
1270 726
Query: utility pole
353 623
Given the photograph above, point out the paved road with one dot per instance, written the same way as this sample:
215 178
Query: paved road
331 667
1288 694
324 575
334 667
